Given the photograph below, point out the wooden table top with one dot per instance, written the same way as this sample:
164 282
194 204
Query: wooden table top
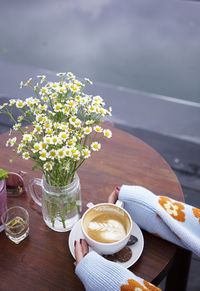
43 260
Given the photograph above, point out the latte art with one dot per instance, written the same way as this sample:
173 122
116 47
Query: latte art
109 231
107 227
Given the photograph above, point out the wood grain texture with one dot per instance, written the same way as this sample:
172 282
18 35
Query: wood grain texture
43 260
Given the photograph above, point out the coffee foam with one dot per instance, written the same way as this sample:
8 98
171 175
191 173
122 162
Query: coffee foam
106 223
109 231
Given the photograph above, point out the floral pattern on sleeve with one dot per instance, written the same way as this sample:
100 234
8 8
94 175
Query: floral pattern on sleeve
133 285
196 212
174 209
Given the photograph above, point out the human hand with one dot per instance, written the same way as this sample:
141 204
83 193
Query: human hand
112 198
81 250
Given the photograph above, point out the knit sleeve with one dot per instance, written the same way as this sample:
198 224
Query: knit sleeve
164 217
97 274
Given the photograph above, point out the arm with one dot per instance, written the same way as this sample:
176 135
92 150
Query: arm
97 274
172 220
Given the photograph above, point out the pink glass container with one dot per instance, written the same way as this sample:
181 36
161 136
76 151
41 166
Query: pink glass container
3 201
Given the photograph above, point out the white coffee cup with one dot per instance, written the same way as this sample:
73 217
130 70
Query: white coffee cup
106 227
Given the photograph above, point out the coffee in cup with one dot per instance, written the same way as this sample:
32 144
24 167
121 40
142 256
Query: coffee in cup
106 227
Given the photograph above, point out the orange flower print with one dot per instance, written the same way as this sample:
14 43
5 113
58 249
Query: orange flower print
156 234
133 285
196 212
174 209
150 286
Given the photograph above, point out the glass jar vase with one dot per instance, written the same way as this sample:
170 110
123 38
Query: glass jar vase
61 206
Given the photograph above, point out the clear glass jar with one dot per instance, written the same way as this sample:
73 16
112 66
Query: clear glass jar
61 206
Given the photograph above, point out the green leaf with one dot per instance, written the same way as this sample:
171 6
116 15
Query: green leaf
3 174
34 167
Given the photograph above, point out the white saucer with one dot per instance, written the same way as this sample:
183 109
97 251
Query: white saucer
76 234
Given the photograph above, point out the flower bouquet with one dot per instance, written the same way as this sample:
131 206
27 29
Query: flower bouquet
65 132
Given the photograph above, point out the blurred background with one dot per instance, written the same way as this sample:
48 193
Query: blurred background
151 46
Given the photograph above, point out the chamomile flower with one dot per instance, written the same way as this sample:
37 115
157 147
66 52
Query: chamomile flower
52 154
30 102
11 142
26 156
107 133
87 130
73 119
47 139
49 131
48 166
54 85
61 74
71 142
63 135
64 126
75 153
42 107
57 107
98 129
20 103
47 125
86 153
43 155
43 91
28 82
27 137
21 84
4 105
66 110
77 123
20 118
62 89
74 88
95 146
42 78
92 108
55 140
19 148
71 102
16 126
89 122
101 111
68 152
57 125
45 98
39 118
12 102
60 154
37 129
43 145
78 83
37 147
88 81
70 75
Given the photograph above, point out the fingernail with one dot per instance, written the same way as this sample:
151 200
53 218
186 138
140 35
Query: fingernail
85 254
118 188
74 243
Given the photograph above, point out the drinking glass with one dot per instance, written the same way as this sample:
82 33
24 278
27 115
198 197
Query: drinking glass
16 223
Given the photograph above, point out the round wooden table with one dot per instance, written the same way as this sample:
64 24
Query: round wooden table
43 260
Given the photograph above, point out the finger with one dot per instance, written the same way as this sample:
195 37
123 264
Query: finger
85 248
113 196
78 252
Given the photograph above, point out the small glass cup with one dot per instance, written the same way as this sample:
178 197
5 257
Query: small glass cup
16 223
